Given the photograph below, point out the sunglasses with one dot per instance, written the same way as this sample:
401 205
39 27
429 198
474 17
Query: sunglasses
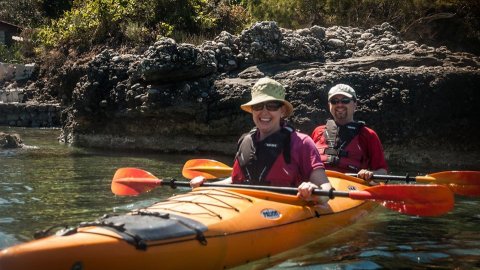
335 101
271 106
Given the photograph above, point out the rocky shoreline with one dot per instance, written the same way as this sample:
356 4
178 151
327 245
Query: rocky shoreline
9 141
30 114
185 98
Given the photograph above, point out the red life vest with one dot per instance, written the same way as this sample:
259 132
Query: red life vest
340 148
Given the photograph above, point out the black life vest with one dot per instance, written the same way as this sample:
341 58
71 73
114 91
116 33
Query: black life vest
257 157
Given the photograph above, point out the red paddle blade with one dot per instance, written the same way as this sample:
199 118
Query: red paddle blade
456 177
466 183
133 181
466 190
415 200
208 168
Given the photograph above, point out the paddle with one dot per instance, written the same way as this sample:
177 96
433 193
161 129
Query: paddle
465 183
418 200
208 168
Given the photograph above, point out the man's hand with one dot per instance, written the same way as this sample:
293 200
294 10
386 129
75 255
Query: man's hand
365 174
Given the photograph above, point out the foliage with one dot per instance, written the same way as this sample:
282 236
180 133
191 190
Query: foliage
125 20
84 23
402 14
231 16
55 8
287 13
91 19
32 13
10 54
361 13
21 12
137 33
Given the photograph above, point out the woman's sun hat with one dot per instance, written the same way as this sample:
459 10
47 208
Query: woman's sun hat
267 89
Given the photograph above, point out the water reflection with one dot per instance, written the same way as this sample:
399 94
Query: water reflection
52 184
388 240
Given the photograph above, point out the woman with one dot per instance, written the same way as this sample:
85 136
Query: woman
273 153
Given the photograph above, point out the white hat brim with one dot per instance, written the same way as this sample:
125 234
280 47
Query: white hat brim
341 93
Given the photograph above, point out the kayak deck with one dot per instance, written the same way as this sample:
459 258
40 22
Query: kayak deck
208 228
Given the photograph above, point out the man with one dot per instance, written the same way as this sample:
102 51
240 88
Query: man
345 145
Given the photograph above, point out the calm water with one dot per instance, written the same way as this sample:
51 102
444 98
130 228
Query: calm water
47 184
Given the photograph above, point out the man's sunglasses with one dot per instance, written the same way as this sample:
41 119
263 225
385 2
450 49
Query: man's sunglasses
270 105
335 101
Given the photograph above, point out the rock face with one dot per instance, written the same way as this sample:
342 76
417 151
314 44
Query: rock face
183 98
10 141
30 114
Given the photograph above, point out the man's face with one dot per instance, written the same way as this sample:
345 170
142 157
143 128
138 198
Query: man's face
342 108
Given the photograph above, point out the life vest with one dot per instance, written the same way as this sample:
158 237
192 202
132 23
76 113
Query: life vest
341 150
256 158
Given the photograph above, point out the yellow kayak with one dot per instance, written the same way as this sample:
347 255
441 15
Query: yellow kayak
208 228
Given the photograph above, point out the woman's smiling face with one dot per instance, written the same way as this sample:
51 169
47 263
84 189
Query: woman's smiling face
267 120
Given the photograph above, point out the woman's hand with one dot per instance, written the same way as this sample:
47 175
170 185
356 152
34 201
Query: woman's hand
305 190
197 181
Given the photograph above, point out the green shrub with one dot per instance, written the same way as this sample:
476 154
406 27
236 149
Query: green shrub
137 33
230 17
89 21
11 54
95 21
287 13
139 22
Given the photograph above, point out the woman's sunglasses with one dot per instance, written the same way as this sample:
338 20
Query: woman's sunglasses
270 105
335 101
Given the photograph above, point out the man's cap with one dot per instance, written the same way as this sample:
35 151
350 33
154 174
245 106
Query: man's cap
342 89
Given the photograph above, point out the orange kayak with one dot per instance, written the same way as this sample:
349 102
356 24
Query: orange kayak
207 228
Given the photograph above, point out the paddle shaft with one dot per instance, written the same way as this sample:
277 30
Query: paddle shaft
285 190
405 178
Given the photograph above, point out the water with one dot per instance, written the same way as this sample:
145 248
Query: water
388 240
47 184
